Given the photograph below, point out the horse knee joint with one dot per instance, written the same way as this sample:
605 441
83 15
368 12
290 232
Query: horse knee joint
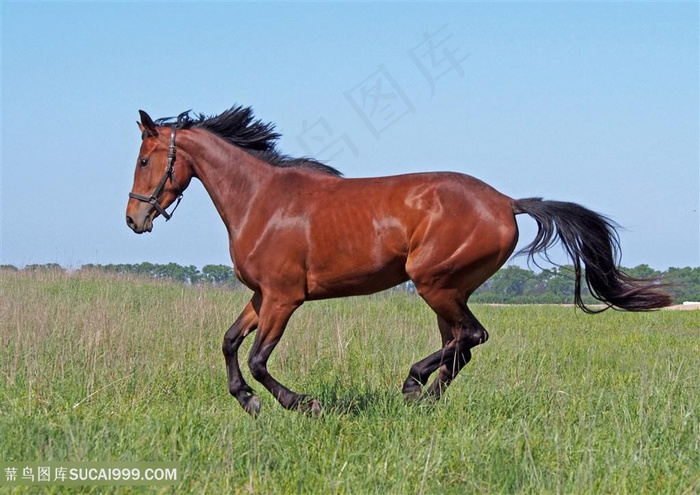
228 347
257 367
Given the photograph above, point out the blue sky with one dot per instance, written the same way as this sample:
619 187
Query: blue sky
595 103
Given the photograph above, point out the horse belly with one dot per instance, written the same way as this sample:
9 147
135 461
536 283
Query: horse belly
355 282
364 260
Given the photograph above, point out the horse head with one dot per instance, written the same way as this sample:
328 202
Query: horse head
161 176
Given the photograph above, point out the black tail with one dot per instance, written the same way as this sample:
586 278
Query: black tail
592 239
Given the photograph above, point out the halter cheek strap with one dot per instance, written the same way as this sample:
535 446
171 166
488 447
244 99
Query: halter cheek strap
153 198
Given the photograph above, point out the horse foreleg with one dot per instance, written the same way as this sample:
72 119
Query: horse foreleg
246 323
273 321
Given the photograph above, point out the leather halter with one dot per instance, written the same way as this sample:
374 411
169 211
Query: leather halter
169 169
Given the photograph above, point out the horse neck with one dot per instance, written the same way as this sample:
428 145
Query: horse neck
230 175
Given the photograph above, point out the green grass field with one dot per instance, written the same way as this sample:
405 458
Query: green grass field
94 368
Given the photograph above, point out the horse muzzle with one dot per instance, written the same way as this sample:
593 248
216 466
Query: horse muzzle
139 222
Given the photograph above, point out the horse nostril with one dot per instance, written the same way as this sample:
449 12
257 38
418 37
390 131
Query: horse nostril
130 222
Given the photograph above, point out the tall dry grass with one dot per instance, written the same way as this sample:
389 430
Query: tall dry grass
98 368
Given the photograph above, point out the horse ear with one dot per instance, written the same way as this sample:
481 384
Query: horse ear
147 126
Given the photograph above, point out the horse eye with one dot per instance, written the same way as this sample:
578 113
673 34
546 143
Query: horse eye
144 162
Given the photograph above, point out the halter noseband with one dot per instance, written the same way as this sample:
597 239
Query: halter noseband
153 198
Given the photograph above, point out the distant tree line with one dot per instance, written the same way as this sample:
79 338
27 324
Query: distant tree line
515 285
220 275
510 285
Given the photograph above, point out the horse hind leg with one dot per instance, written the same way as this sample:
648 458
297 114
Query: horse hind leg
420 372
468 334
460 332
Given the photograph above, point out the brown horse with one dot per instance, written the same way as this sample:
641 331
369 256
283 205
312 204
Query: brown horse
298 231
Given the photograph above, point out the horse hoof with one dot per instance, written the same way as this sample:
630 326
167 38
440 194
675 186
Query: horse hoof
252 406
312 407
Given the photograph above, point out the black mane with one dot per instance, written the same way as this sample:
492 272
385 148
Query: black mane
238 126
